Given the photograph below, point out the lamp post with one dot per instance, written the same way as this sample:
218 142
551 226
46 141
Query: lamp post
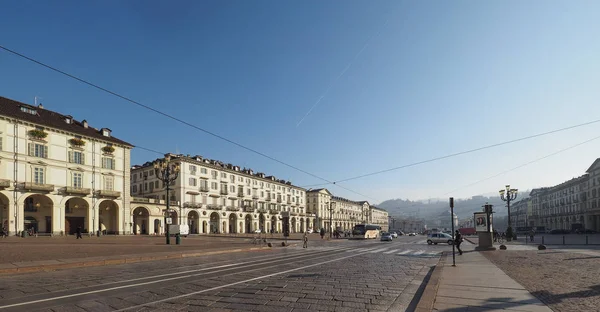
331 219
508 195
167 173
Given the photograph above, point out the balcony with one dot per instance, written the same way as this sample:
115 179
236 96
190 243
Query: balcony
302 214
107 193
261 210
214 207
76 190
240 193
279 200
204 189
231 208
248 208
4 183
224 192
255 196
289 201
30 186
293 214
268 198
191 205
140 199
273 212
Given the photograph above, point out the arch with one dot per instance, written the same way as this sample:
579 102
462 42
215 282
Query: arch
301 225
232 223
214 223
4 203
108 211
293 225
193 219
261 222
41 208
140 220
307 224
248 221
77 215
273 224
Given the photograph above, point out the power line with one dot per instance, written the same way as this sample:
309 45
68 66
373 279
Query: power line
469 151
171 117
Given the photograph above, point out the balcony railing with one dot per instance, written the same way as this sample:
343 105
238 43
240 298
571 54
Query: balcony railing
273 212
240 193
30 186
224 192
214 207
231 208
248 208
204 189
268 198
255 196
192 205
76 190
289 201
107 193
140 199
4 183
261 210
302 214
293 214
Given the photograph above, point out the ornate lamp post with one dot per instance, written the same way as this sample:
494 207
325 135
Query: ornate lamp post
167 173
508 195
331 207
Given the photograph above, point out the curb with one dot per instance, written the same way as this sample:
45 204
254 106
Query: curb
470 241
430 292
131 259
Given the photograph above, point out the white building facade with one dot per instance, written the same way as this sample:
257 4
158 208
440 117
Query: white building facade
379 217
58 174
213 197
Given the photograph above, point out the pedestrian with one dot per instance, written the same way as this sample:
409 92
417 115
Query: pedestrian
322 233
79 233
305 240
457 241
531 234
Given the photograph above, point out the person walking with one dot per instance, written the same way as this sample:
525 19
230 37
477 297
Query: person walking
531 234
457 241
322 233
305 240
79 233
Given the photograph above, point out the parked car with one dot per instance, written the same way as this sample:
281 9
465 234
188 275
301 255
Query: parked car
309 231
436 238
412 234
257 231
385 236
394 234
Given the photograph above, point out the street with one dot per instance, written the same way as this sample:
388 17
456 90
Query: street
338 275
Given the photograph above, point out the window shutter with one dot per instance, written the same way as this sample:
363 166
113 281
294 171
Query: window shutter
70 156
30 149
45 151
82 158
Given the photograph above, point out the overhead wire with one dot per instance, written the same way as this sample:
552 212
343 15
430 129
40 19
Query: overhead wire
173 118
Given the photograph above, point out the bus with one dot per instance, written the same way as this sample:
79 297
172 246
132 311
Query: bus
366 231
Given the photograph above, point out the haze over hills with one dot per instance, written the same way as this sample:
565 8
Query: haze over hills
430 209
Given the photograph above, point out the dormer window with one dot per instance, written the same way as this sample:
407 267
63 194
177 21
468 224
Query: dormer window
68 119
105 132
28 110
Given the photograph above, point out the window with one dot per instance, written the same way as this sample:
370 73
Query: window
156 184
39 176
214 174
248 191
232 178
203 170
241 179
38 150
213 185
108 163
109 184
28 110
193 169
145 186
151 187
232 189
193 182
151 173
0 144
77 179
204 184
133 189
223 175
76 157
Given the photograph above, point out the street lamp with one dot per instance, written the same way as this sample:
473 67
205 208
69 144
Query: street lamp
507 195
167 173
331 219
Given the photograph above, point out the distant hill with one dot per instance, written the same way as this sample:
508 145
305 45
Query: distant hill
463 208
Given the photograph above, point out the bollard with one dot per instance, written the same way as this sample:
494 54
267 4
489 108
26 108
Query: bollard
177 239
563 239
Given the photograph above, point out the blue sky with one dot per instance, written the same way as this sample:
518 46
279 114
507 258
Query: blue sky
435 78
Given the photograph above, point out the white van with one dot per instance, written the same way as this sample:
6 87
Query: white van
182 230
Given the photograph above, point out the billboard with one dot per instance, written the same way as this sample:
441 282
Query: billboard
480 221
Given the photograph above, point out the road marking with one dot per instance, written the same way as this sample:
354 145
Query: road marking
391 251
237 283
416 253
404 252
378 250
153 282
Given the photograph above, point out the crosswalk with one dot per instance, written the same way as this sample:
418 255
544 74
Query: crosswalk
389 250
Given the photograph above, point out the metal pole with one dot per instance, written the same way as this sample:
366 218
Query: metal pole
330 222
452 225
168 212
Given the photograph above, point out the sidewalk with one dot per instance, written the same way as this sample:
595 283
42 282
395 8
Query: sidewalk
475 284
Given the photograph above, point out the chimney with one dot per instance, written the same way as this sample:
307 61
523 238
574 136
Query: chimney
85 124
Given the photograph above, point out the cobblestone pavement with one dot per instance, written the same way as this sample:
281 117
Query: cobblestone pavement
350 276
562 280
15 249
